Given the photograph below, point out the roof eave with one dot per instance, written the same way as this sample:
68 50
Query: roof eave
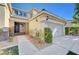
44 12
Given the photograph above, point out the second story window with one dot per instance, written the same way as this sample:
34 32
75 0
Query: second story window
24 14
15 12
19 13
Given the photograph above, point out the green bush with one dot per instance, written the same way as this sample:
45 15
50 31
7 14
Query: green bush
48 35
71 30
74 29
66 30
11 51
1 31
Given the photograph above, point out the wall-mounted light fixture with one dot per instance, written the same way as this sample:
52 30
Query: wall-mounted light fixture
47 17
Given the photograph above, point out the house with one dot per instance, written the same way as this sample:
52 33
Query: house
19 21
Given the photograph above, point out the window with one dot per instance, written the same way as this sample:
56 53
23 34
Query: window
19 13
15 12
24 14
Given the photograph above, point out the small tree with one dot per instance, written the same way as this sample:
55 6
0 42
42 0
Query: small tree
1 31
66 30
76 14
48 35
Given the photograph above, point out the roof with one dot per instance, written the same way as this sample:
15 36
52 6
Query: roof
19 9
31 11
49 14
46 13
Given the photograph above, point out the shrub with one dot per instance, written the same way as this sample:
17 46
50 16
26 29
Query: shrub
66 30
74 29
11 51
1 31
48 35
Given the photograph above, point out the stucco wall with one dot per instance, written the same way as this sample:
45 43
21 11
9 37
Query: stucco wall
4 36
2 16
35 26
11 28
7 16
23 28
4 22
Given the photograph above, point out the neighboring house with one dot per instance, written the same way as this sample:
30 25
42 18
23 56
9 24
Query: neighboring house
21 22
72 28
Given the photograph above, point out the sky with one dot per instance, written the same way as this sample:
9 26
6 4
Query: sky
64 10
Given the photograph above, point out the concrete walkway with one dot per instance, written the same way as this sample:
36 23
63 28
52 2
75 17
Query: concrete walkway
26 47
60 46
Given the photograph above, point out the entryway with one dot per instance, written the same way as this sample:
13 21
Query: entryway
19 28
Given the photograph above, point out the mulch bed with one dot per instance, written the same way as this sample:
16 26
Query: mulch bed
38 42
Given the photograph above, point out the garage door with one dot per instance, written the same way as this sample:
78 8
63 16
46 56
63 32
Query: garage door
58 29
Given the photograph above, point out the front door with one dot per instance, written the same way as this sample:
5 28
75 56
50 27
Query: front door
17 28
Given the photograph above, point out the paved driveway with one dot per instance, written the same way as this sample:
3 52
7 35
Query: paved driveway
68 42
60 46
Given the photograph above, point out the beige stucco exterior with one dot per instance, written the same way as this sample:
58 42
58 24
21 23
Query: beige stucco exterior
4 15
29 25
24 26
7 16
37 24
4 21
